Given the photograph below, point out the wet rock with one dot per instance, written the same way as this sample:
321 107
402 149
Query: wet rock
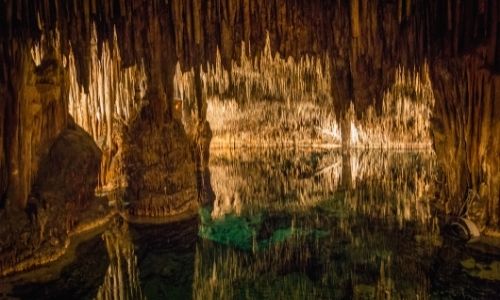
485 245
54 242
64 189
159 167
488 271
469 263
201 140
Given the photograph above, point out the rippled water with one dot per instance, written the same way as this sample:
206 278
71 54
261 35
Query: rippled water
287 225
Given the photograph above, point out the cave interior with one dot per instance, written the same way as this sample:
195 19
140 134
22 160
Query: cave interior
214 118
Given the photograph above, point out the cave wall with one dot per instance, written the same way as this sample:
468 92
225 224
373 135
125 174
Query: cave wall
465 76
366 42
49 165
34 113
466 127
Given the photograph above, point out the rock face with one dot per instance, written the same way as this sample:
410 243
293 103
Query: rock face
62 198
158 163
68 174
35 113
466 130
48 164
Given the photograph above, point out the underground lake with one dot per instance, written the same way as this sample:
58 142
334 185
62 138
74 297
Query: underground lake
290 224
249 149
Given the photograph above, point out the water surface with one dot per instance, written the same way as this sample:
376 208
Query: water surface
291 224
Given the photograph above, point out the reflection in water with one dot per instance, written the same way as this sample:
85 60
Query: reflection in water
321 224
122 277
166 258
393 186
287 225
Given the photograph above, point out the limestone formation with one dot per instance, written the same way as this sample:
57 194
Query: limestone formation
111 58
159 166
60 200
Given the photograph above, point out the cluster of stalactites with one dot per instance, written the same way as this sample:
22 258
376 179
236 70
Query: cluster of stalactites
284 101
273 77
115 91
405 118
114 95
191 30
264 77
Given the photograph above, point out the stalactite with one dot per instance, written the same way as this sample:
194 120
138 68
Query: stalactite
355 18
115 96
297 91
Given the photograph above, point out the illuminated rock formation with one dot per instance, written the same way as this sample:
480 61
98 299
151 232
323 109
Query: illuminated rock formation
465 130
50 164
115 95
270 101
61 200
35 114
159 166
365 46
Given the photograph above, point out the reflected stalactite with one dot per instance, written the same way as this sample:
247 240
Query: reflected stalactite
122 277
346 171
217 271
249 180
296 254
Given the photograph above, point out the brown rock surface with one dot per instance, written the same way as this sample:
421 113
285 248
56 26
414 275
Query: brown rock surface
159 167
466 129
61 199
35 114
